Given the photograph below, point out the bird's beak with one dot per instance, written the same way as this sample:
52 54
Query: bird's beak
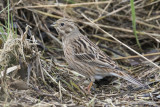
54 24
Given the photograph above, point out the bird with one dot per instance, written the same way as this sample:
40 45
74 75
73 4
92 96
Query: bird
85 57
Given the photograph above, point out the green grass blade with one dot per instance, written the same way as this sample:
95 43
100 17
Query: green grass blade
134 23
8 19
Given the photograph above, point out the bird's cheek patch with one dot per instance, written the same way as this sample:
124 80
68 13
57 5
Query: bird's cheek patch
61 33
68 30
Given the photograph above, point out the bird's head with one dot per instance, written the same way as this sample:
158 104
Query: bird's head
65 27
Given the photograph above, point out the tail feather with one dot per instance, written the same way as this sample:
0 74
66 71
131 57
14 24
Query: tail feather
127 77
132 80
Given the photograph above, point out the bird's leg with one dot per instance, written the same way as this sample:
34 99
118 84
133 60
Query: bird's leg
89 86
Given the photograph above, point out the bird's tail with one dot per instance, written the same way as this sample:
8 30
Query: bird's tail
132 80
127 77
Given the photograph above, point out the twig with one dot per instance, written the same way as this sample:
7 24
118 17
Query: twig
115 11
153 35
153 18
9 70
65 5
137 56
52 78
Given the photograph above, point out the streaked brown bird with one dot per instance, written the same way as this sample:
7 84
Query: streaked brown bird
85 57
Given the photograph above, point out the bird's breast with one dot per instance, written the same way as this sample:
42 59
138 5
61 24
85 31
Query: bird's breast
68 51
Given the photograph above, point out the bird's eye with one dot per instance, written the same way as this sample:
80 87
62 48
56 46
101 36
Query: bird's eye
62 24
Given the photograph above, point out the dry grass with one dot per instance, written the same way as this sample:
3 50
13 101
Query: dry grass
33 69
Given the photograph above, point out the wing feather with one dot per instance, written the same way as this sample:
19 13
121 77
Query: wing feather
89 53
